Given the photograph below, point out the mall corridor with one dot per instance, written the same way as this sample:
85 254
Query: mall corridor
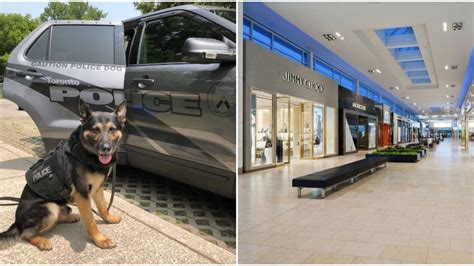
408 212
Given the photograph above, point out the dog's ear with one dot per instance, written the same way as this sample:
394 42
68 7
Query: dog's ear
121 112
84 111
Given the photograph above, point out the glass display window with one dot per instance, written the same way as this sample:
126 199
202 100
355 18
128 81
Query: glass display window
318 131
261 128
307 130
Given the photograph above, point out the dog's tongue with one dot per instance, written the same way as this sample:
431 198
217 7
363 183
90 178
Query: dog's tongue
105 158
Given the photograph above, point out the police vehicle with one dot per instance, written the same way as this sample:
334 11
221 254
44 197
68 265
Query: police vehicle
174 67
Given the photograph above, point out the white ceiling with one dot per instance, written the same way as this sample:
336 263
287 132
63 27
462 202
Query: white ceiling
356 22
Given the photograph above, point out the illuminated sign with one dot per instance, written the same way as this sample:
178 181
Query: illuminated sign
359 106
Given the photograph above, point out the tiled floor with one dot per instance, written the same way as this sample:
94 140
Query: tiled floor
415 213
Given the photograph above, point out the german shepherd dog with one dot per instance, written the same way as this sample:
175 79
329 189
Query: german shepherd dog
92 154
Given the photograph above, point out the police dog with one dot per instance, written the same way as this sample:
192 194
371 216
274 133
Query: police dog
85 160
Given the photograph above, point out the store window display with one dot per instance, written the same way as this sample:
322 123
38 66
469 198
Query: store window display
261 128
318 132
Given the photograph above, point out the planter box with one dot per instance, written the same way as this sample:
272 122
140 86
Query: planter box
397 158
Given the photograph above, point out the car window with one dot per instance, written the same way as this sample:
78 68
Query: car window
164 38
39 49
85 44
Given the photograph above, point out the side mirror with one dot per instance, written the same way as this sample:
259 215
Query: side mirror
204 50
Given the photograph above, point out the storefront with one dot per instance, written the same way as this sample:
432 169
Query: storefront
357 122
383 116
416 131
290 111
402 129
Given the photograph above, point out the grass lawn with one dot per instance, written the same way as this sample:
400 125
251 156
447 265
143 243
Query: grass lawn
1 90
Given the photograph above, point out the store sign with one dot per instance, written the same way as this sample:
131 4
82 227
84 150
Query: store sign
298 80
359 106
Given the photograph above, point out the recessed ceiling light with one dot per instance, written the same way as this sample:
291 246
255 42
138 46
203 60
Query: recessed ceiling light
342 38
445 26
446 67
396 87
408 97
338 34
456 26
374 71
329 37
414 103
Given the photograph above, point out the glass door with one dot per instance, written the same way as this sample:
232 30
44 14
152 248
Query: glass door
363 134
307 130
283 129
261 128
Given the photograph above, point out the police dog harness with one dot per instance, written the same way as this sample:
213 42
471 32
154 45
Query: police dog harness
49 177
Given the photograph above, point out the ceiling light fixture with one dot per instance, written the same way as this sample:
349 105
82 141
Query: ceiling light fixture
446 67
456 26
445 26
342 38
329 37
338 34
397 88
374 71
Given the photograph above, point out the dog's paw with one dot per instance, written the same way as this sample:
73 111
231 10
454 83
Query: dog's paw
113 219
43 244
103 242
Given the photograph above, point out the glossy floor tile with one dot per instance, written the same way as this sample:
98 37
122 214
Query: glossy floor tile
405 213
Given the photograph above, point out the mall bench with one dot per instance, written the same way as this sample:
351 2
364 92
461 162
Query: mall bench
330 178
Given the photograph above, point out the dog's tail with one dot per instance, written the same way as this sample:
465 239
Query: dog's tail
9 237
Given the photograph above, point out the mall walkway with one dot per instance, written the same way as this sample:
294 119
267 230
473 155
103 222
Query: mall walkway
420 213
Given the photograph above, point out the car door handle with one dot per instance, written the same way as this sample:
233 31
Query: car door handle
29 74
142 82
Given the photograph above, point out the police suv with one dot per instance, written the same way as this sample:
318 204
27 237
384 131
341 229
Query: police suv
176 69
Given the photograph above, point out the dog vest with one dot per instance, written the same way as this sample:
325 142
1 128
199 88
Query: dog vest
48 178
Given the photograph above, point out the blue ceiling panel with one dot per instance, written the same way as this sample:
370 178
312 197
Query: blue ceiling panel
417 74
401 43
421 81
413 65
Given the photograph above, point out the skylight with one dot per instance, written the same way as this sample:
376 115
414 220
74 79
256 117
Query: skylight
401 43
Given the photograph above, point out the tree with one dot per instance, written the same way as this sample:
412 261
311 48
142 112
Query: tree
71 10
147 7
13 28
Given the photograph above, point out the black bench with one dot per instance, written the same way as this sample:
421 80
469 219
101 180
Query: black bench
333 176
